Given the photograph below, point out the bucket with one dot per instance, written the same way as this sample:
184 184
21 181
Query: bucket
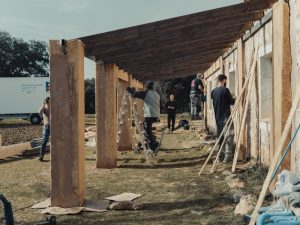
267 213
283 220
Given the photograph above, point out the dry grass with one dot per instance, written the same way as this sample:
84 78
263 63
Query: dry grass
173 192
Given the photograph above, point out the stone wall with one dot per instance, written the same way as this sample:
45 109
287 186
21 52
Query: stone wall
258 131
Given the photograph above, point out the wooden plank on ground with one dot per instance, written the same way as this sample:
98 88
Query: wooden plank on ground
14 150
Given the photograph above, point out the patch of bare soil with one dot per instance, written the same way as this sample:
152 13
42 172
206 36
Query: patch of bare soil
173 193
18 131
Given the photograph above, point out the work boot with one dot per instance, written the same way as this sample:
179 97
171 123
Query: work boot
226 159
41 158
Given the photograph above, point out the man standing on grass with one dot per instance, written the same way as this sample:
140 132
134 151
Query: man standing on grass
151 110
171 108
45 114
222 100
197 90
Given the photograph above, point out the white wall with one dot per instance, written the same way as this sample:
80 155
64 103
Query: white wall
265 94
211 84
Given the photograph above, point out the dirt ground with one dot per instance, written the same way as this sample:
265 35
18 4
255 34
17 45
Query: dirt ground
18 131
173 193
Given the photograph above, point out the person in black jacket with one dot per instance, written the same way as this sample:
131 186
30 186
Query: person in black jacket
197 91
222 100
171 108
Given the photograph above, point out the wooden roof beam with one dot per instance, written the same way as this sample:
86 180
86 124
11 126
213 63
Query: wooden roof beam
210 15
161 53
186 33
180 40
186 63
170 61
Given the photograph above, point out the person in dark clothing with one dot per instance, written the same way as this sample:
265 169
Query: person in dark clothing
197 90
151 110
222 100
171 108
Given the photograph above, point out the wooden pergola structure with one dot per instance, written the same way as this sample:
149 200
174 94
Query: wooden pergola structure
171 48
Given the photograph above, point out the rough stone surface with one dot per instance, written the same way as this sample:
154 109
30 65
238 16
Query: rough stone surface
226 173
233 182
235 196
125 205
246 205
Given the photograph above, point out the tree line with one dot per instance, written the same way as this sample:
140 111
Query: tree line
19 58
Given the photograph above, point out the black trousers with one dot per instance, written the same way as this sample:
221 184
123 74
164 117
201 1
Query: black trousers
148 128
171 118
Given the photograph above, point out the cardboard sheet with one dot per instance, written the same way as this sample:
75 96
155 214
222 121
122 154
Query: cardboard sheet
124 197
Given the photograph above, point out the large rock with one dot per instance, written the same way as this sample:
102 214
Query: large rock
235 196
246 205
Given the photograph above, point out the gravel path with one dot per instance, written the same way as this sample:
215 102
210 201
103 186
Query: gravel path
19 132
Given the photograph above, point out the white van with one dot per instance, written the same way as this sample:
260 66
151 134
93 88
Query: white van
21 97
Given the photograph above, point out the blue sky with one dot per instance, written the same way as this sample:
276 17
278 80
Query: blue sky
66 19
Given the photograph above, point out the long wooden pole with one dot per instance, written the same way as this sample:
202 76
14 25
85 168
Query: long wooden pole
220 150
247 100
242 127
235 109
276 157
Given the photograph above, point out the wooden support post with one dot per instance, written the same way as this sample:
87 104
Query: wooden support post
0 140
221 65
241 80
129 107
125 143
139 102
106 115
281 72
67 124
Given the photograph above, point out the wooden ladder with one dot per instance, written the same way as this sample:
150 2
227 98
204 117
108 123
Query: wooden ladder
138 129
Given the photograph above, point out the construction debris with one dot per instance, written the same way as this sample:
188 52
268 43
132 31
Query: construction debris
235 195
89 206
125 205
124 197
42 205
246 205
235 183
96 206
62 211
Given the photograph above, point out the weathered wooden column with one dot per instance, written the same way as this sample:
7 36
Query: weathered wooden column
67 124
221 61
106 115
241 79
125 143
281 72
139 102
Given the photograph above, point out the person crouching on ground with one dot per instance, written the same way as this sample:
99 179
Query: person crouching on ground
44 111
171 108
151 111
222 100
